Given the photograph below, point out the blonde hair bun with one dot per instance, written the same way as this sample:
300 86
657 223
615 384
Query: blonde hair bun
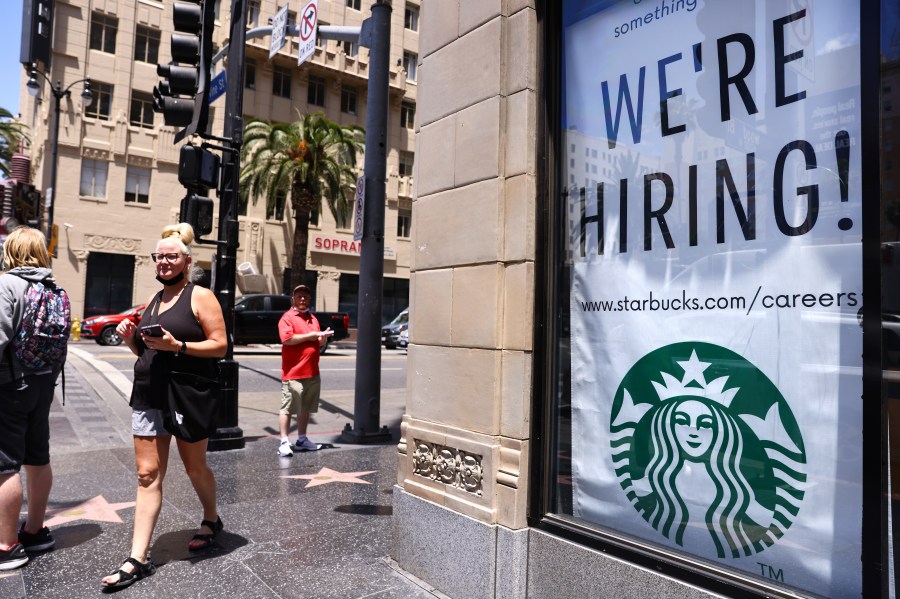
184 231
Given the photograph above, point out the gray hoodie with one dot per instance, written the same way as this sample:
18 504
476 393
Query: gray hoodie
13 286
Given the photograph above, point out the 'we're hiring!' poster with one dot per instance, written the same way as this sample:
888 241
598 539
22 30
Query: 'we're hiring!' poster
712 170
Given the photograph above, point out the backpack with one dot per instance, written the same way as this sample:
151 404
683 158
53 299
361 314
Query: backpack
42 339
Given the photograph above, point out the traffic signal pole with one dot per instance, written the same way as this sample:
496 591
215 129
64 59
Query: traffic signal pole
228 434
376 35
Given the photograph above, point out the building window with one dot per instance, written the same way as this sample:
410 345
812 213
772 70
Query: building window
141 114
250 73
315 93
100 108
408 115
409 65
276 210
404 223
350 49
411 17
354 4
348 99
103 32
137 185
253 12
281 82
146 44
93 178
406 164
291 18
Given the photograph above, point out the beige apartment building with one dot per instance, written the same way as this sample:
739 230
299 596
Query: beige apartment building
117 175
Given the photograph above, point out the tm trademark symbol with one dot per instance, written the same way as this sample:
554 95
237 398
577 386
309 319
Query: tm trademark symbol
769 572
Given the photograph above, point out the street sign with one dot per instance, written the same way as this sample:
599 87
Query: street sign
217 87
279 25
359 202
308 23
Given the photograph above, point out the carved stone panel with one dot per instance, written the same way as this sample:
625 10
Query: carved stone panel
450 466
122 245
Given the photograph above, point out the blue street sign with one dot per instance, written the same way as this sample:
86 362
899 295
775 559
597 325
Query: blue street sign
216 87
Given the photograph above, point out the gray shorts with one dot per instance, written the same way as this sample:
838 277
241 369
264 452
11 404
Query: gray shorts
147 423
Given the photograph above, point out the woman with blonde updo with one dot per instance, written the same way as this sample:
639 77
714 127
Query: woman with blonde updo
192 338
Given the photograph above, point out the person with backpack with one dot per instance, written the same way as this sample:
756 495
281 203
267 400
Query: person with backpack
34 327
181 331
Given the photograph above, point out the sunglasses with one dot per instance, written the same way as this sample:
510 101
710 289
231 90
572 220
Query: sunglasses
165 257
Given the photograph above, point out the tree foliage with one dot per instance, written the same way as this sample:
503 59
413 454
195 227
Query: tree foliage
11 133
309 160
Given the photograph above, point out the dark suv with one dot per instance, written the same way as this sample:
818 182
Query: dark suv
256 319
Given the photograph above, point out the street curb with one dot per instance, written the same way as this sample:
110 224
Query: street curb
106 370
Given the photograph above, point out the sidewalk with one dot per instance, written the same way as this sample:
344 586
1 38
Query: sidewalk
317 525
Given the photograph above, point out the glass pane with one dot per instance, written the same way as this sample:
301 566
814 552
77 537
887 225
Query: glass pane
709 361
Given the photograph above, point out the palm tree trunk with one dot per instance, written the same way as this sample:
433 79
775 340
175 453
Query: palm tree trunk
301 243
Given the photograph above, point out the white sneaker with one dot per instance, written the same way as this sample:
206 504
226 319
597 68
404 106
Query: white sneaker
306 445
284 450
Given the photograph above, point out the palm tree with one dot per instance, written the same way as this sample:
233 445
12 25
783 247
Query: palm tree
11 133
313 159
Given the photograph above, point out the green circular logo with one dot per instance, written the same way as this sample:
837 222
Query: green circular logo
707 450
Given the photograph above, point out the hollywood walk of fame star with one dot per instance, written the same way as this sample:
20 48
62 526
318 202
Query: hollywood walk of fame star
97 509
327 475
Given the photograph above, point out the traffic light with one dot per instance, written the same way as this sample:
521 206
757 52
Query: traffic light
198 171
198 212
37 29
183 95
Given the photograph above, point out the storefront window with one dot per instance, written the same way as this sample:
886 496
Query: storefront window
707 368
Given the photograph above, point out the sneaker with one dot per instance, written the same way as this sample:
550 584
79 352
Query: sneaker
13 558
39 541
306 445
284 450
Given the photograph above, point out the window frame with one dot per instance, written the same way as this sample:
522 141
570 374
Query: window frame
149 47
138 175
281 79
404 223
349 100
101 106
410 63
411 17
547 359
103 30
250 73
144 103
408 115
315 87
95 166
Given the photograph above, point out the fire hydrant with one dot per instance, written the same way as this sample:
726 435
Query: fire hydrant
76 329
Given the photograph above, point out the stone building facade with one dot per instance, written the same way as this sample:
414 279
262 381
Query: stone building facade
117 175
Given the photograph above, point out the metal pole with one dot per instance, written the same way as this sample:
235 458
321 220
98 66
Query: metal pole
58 95
367 399
228 434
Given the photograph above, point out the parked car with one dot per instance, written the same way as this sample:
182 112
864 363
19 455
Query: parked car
102 329
390 333
256 319
404 339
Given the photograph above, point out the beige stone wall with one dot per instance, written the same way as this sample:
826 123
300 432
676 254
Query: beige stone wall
465 436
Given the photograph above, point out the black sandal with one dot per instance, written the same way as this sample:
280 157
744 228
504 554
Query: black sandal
209 540
129 578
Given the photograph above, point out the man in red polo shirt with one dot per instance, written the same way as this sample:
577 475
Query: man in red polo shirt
301 339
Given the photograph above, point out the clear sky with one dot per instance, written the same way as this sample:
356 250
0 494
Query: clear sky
10 68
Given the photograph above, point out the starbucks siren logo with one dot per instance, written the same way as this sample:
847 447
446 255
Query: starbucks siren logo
707 450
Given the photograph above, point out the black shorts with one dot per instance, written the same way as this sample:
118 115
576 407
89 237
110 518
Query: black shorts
25 422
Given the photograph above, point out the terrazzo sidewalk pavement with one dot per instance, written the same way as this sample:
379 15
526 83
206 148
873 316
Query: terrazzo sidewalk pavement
317 525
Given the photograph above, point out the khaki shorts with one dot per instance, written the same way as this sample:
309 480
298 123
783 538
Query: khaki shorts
302 394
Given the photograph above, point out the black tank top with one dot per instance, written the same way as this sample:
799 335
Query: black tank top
151 371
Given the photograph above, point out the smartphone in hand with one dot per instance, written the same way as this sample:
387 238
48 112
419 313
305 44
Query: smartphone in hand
152 330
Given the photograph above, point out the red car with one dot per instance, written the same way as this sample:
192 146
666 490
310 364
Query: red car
103 328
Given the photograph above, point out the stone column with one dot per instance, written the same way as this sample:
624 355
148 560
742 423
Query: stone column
463 457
